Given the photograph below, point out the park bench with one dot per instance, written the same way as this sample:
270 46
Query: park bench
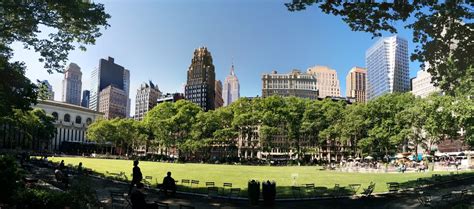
393 186
368 192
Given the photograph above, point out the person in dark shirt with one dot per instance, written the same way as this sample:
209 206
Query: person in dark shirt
61 165
137 175
169 184
138 199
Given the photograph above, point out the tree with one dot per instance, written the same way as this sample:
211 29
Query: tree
441 123
69 22
246 120
313 122
330 134
442 32
354 125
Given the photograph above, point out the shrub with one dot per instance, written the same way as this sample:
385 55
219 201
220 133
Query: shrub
10 176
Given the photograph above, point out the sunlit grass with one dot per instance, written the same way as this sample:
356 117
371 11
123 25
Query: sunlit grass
239 175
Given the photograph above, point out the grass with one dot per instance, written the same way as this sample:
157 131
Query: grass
239 175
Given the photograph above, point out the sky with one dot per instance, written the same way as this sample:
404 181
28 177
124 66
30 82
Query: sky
155 40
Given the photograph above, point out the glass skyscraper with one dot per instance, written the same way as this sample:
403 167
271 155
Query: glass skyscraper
387 67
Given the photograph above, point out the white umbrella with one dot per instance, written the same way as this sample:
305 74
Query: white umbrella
369 157
357 158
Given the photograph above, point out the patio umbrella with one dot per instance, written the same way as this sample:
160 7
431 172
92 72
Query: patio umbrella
399 155
369 157
357 158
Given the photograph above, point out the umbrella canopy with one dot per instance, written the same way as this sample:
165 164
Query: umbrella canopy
399 155
369 157
357 158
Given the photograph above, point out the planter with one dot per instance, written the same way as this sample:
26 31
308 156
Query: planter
269 192
253 192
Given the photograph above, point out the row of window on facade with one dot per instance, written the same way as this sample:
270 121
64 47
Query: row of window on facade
67 118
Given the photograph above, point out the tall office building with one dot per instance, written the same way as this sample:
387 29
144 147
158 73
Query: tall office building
356 84
50 93
294 83
170 97
109 73
387 67
421 84
327 81
85 98
72 84
218 101
200 84
146 99
113 102
231 88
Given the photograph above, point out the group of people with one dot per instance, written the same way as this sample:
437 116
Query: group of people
136 190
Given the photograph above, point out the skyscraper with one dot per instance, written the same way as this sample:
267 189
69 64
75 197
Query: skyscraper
231 88
218 101
294 83
113 102
109 73
200 84
72 84
85 98
421 84
327 82
50 93
146 99
387 67
356 83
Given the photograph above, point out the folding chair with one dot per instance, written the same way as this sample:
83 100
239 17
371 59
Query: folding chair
185 181
117 198
229 185
210 184
194 182
212 192
311 189
147 180
296 190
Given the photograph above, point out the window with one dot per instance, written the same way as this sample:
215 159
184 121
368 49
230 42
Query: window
67 118
78 119
88 121
55 115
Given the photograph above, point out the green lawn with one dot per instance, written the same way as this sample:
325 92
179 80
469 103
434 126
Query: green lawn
239 175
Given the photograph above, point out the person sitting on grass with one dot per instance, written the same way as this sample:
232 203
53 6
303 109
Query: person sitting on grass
138 199
169 184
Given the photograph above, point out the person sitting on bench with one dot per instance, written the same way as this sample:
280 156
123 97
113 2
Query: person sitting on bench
168 184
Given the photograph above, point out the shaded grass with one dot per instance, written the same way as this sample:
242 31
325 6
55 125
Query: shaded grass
239 175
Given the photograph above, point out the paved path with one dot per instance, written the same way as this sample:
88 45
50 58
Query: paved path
103 188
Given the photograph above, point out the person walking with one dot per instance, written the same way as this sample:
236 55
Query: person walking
137 176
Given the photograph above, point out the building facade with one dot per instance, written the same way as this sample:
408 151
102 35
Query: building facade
200 84
170 97
146 99
387 67
71 122
109 73
72 84
356 84
85 98
421 85
113 102
218 101
327 81
231 88
294 83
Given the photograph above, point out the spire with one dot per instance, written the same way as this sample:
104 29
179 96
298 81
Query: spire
232 68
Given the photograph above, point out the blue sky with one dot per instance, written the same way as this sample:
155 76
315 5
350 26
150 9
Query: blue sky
155 40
